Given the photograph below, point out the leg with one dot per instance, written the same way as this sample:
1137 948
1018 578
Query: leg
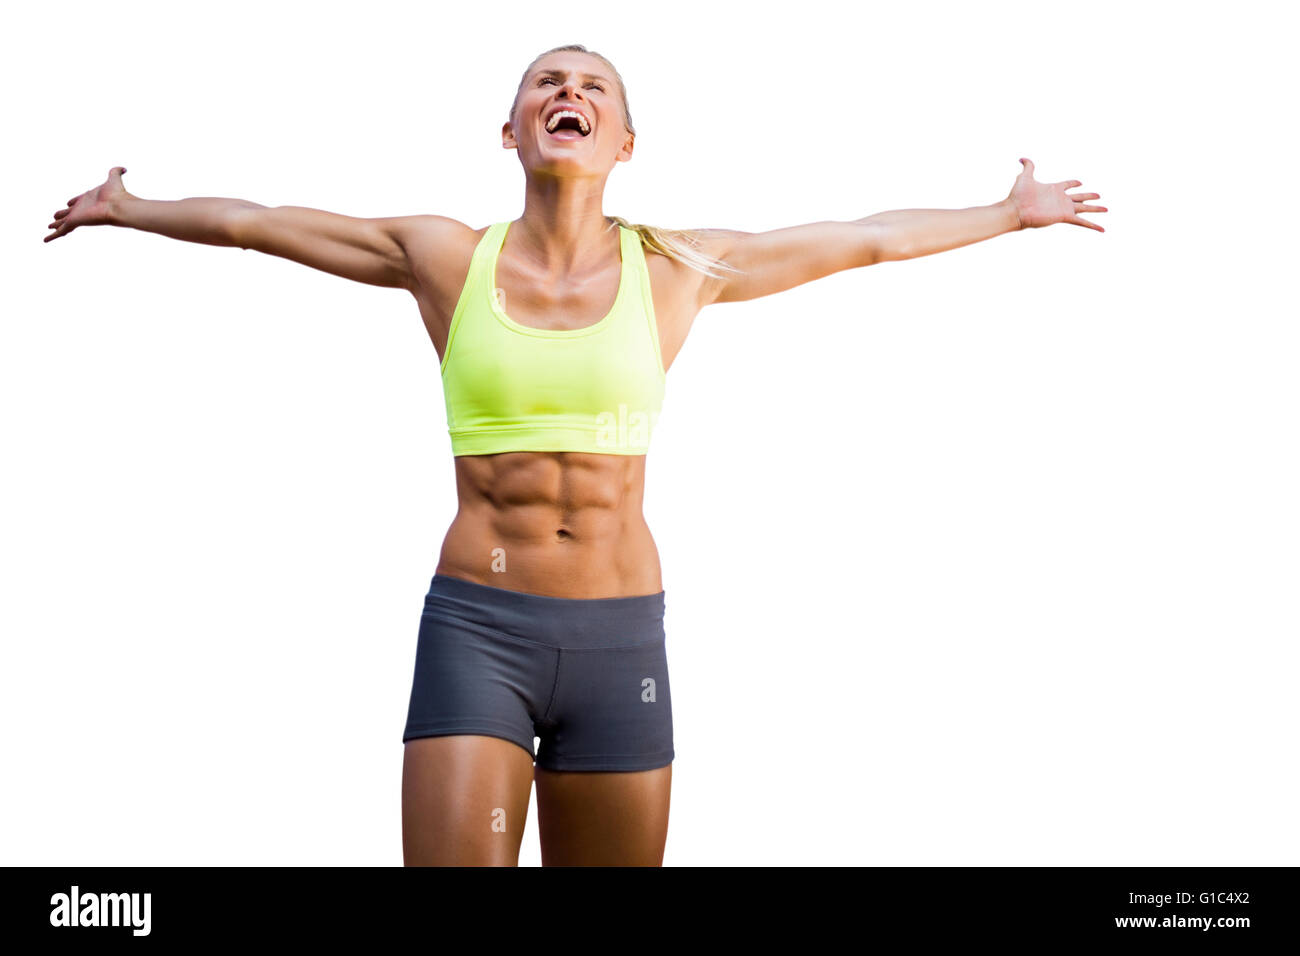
603 819
464 800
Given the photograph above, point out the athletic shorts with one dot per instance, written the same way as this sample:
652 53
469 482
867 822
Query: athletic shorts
588 676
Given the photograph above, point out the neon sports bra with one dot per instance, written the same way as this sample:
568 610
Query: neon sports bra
511 387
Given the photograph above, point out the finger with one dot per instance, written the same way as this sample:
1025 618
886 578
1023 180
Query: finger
1070 184
1080 196
1029 165
1091 209
1084 222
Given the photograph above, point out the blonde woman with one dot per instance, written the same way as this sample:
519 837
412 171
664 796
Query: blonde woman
544 617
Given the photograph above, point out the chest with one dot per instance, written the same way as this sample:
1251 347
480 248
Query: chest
564 306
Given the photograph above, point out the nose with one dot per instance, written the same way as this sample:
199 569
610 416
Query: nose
568 90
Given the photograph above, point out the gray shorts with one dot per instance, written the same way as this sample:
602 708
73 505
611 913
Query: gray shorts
589 676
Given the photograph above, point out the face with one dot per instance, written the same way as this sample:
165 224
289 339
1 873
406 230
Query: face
579 83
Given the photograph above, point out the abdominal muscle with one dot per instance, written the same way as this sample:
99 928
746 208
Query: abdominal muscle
562 524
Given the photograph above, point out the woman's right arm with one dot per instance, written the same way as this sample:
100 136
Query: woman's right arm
373 251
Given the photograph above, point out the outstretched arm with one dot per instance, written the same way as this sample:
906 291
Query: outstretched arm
781 259
373 251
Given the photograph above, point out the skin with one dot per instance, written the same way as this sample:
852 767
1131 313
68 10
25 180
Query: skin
570 524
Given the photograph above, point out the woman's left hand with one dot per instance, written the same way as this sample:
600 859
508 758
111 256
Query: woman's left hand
1041 204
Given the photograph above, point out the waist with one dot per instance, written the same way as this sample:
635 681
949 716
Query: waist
545 619
583 559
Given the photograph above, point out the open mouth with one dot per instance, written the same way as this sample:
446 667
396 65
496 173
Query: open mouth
568 124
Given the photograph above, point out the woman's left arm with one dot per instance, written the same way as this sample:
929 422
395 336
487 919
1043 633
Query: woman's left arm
781 259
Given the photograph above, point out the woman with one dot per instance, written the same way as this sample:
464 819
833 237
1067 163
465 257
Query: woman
545 613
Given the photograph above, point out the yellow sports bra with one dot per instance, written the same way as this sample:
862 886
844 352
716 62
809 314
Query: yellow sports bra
511 387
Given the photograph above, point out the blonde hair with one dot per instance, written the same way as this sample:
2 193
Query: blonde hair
679 244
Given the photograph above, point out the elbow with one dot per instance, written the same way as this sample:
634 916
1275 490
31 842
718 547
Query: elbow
879 244
237 222
886 244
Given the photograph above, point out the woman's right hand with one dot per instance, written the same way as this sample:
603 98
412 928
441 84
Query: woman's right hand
91 208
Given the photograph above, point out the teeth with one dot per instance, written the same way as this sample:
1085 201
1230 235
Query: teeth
582 121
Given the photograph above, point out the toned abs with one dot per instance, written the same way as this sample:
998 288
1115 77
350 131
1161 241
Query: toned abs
564 524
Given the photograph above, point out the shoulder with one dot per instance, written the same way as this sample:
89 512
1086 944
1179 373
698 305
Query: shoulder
435 240
715 244
438 248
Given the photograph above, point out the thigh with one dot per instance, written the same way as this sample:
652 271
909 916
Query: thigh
603 819
464 800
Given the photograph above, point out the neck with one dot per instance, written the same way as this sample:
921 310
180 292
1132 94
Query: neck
563 229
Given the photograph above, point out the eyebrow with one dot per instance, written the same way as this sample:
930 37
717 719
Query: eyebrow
585 76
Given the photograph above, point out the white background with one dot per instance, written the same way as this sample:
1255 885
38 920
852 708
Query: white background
988 557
